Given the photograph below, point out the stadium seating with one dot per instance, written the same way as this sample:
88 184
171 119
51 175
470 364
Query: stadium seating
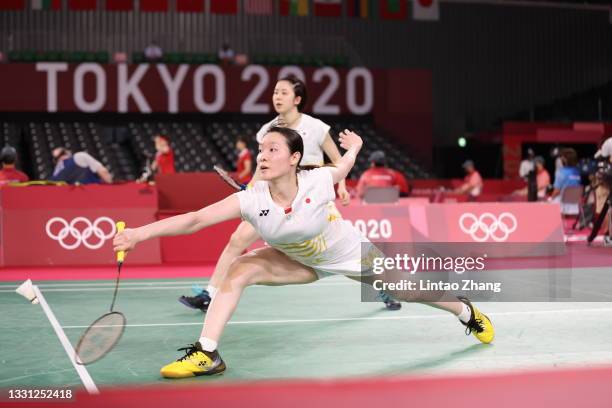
193 151
9 134
170 57
124 148
589 105
302 60
101 57
224 135
42 137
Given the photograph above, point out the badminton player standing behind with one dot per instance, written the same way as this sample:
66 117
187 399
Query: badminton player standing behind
244 166
288 209
289 99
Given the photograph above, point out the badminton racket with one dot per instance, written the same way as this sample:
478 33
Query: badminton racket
104 333
229 179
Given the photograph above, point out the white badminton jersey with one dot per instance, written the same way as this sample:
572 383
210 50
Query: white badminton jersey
313 132
310 232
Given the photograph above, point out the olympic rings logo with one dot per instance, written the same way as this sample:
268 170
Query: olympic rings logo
488 226
81 236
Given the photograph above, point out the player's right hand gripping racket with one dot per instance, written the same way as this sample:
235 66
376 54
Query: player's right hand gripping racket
229 179
104 333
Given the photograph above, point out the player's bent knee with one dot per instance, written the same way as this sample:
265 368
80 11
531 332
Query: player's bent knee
238 242
244 272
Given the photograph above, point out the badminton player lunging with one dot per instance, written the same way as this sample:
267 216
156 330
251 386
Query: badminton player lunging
288 209
289 99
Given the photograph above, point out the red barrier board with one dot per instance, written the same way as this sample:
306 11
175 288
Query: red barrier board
488 222
73 225
504 229
532 229
203 246
182 192
381 222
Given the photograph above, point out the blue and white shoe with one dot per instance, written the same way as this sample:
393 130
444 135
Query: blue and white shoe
389 302
201 301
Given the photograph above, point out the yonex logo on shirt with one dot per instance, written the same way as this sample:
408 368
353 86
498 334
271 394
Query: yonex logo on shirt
263 213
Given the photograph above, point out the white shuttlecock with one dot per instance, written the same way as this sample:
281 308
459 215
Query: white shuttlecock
27 291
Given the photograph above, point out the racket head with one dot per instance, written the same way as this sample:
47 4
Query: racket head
100 338
228 179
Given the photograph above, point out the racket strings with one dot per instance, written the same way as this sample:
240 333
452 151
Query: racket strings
229 179
104 333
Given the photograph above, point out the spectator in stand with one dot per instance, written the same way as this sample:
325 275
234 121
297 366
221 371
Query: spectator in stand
8 173
79 168
226 54
164 157
542 176
244 166
567 176
379 175
472 183
527 164
153 52
542 179
163 163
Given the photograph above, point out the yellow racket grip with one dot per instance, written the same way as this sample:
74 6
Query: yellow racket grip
120 254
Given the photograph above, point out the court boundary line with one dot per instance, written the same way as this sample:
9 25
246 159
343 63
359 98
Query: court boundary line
158 284
86 379
384 318
111 286
329 281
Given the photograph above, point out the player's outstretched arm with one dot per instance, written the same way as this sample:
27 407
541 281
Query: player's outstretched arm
352 143
187 223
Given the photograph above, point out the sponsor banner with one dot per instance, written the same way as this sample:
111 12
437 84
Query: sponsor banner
74 226
380 222
55 229
536 228
207 88
534 224
397 99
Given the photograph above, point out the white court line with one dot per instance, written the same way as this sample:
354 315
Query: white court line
108 288
162 285
90 386
111 283
348 319
144 282
329 281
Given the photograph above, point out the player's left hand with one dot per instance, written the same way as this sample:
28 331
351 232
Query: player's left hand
350 140
344 195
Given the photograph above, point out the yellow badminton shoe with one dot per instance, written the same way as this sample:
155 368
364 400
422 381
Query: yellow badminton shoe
479 325
194 363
